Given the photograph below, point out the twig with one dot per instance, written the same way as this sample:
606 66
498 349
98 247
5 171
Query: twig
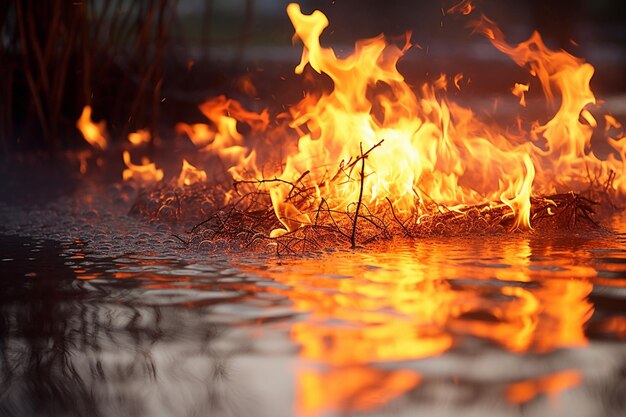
358 204
185 242
262 181
393 213
351 164
293 186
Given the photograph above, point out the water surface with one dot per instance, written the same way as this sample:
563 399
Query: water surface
104 314
526 324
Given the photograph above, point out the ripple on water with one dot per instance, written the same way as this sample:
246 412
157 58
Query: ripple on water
172 296
450 316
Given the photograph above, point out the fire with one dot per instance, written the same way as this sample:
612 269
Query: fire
146 173
435 152
457 79
190 175
139 137
615 325
94 133
464 7
200 134
519 90
375 140
567 136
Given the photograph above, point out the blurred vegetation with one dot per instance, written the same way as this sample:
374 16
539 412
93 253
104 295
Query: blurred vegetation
60 56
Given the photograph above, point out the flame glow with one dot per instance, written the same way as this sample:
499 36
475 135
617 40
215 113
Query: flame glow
139 137
189 175
464 7
434 150
420 152
146 173
519 90
94 133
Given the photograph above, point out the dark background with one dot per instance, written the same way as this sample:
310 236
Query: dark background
149 63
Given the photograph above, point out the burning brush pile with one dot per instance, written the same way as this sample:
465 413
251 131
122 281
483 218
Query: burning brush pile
373 158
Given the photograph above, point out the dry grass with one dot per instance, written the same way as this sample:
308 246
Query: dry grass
246 218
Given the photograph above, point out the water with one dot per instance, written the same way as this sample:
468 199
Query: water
113 317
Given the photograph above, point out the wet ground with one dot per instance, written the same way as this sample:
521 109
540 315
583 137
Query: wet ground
103 314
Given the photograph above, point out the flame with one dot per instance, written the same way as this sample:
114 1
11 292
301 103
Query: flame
434 150
464 7
247 87
519 90
200 134
611 122
567 135
223 138
457 79
373 139
94 133
145 173
190 175
139 137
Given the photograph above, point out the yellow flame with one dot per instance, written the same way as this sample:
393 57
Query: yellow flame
519 90
94 133
145 173
567 135
434 150
190 175
139 137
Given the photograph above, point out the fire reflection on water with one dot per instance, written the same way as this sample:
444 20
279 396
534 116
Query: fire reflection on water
366 309
362 320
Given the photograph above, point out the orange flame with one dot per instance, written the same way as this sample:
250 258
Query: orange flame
190 175
434 151
94 133
457 79
611 122
140 137
519 90
464 7
615 325
145 173
568 134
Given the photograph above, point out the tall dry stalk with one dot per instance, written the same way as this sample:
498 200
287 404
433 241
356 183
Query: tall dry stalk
58 58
